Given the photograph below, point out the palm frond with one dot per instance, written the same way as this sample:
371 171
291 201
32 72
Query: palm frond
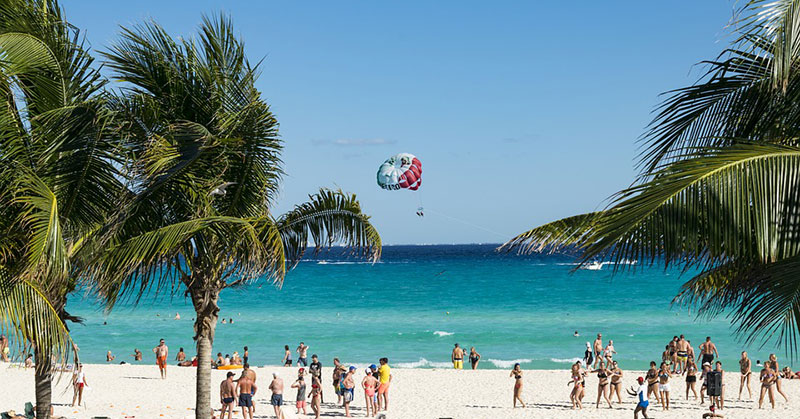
554 236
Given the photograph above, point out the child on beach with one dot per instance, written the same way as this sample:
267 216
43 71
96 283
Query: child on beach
300 385
370 385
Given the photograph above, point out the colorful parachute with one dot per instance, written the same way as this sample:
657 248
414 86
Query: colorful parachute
401 171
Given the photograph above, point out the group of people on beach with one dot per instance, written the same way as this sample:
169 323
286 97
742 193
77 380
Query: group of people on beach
677 360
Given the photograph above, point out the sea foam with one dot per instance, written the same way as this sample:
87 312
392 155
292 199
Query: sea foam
501 363
423 363
565 360
442 334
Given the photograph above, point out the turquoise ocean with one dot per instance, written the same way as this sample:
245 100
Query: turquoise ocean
415 304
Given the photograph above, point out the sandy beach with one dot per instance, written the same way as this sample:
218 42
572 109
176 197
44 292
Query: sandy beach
135 391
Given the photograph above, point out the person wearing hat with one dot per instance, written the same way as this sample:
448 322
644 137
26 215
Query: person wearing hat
349 385
227 396
641 395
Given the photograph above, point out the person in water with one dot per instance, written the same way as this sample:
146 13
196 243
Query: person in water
474 357
517 374
745 367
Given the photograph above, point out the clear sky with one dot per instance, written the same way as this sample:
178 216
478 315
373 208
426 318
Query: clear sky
521 112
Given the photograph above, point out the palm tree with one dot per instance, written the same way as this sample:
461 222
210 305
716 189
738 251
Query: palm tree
719 187
203 172
57 172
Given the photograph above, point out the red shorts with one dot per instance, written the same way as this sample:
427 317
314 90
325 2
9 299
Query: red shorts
300 404
161 361
80 385
383 388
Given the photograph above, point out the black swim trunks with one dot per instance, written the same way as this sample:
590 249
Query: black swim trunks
227 400
708 358
246 400
276 400
691 378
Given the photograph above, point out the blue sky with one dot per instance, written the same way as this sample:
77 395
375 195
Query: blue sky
521 112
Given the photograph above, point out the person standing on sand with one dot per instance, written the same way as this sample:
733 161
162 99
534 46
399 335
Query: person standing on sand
316 393
663 385
276 386
302 354
246 355
315 369
652 380
641 394
474 357
704 386
577 379
161 351
246 388
300 385
336 376
691 378
227 396
682 355
588 356
609 352
767 379
78 383
517 374
370 385
745 367
349 385
385 378
720 400
708 351
602 384
773 360
457 357
598 349
616 381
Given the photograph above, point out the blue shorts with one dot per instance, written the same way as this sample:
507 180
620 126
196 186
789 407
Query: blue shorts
644 404
245 400
276 400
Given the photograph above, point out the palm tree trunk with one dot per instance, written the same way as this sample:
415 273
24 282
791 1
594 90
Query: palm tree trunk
43 378
205 305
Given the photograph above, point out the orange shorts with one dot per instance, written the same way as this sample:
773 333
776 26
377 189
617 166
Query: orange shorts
383 388
161 361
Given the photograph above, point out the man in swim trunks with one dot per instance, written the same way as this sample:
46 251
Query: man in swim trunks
349 385
682 346
246 388
302 353
161 351
277 394
227 396
385 374
708 351
457 357
598 349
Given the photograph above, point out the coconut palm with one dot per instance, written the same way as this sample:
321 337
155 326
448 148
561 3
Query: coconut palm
719 188
204 170
58 179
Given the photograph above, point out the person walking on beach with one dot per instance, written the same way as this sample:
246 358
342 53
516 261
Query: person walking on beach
227 396
663 385
370 386
588 356
682 355
517 374
349 386
315 369
287 356
577 379
161 351
276 386
616 381
78 383
602 384
302 353
300 385
773 360
652 380
246 388
474 357
316 396
745 367
708 351
457 357
641 395
598 349
767 378
720 400
691 378
609 352
385 378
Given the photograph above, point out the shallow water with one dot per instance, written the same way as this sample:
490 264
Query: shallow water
414 305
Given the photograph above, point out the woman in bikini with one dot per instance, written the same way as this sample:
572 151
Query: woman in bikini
773 360
474 357
691 377
652 381
767 378
517 374
745 368
578 381
663 385
315 396
602 385
616 380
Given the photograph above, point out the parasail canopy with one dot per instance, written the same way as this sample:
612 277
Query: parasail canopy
401 171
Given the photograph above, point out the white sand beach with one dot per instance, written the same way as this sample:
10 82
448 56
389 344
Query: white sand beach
135 391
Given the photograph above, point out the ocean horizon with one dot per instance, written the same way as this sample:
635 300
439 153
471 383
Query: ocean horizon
415 304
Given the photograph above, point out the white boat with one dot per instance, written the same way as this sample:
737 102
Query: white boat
594 266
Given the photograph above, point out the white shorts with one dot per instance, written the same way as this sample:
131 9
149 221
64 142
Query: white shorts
663 387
